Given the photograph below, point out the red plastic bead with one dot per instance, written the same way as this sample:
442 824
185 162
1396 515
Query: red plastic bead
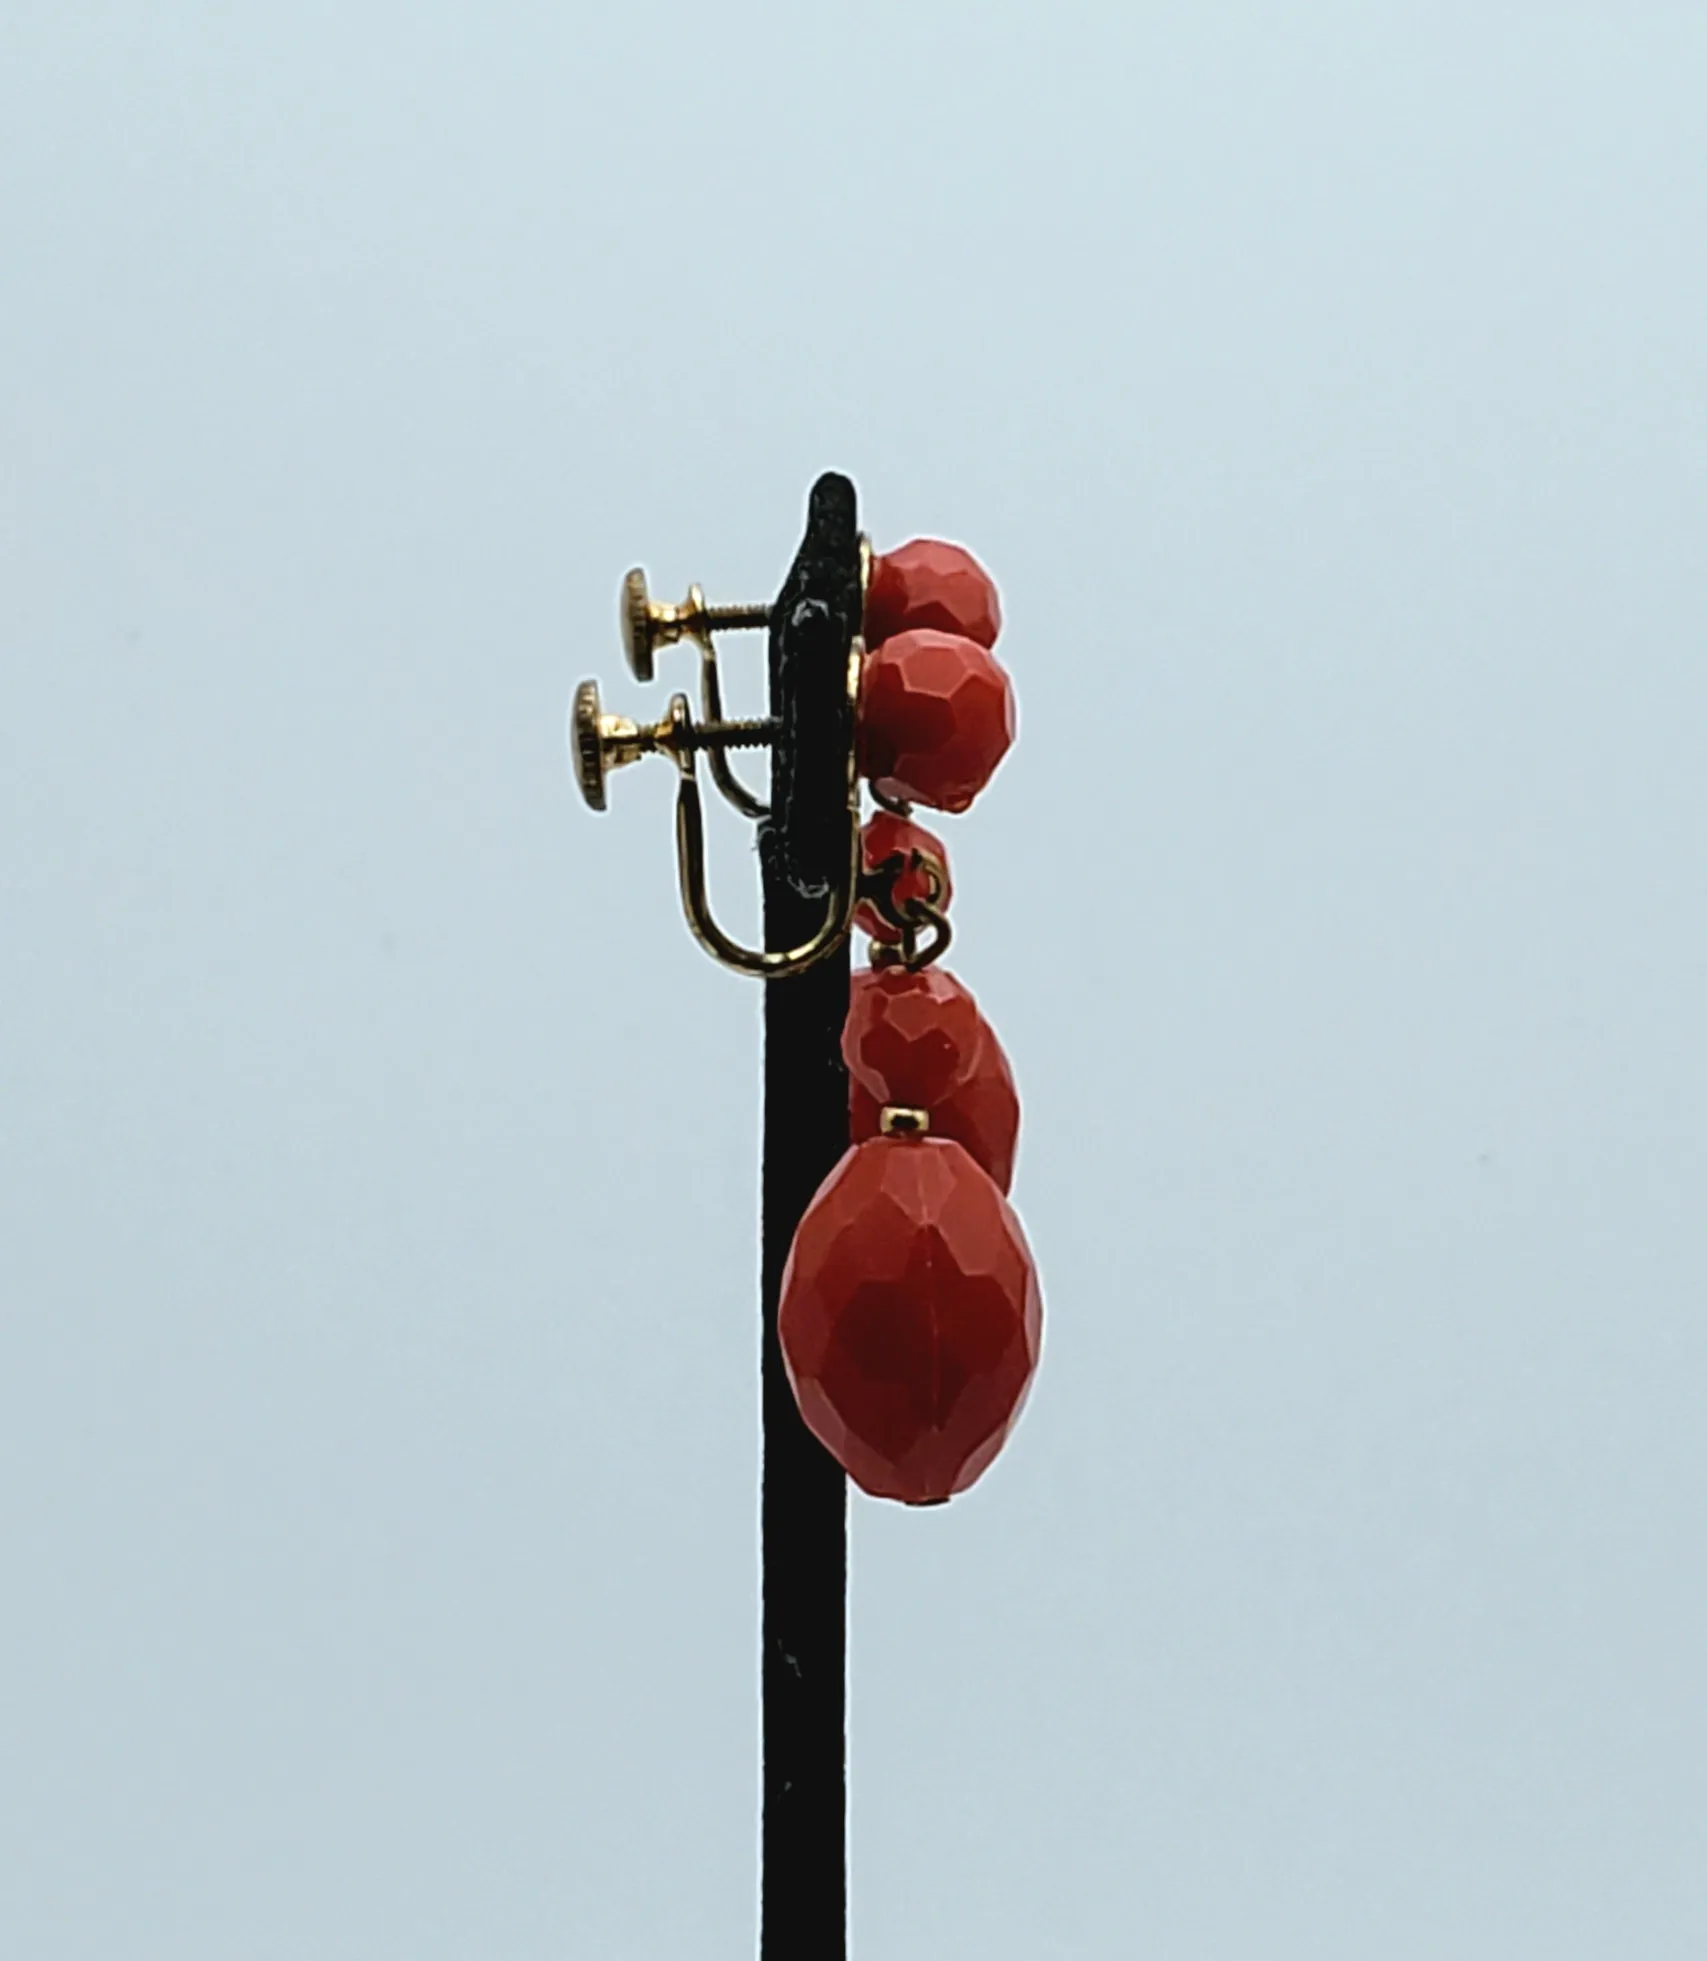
981 1115
910 1318
936 715
928 582
911 1038
884 836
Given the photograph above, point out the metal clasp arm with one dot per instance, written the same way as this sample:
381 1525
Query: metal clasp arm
690 866
734 790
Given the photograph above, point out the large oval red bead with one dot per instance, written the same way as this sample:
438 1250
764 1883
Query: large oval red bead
911 1037
981 1114
929 582
936 716
885 836
910 1318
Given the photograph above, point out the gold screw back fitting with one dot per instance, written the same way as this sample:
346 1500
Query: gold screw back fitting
600 743
648 623
603 743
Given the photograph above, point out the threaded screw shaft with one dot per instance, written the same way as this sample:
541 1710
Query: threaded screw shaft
732 735
737 616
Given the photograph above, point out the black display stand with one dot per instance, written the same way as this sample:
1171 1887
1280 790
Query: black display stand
803 1903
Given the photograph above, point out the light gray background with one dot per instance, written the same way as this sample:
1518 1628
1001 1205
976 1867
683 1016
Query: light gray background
1325 386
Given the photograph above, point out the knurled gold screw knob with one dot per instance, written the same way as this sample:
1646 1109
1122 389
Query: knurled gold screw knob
600 743
648 623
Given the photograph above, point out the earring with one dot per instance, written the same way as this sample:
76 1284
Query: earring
910 1317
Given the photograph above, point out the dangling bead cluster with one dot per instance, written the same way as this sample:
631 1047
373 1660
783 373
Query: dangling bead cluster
910 1317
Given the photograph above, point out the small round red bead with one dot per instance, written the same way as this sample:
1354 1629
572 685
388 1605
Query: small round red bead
928 582
936 716
884 836
910 1318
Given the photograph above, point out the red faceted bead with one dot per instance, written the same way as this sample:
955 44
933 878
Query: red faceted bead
884 836
982 1115
910 1318
910 1038
928 582
936 715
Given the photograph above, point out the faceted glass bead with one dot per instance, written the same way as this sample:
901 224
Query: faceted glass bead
981 1115
885 835
910 1318
936 715
928 582
910 1038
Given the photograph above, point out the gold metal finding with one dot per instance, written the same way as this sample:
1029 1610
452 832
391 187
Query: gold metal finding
648 623
603 743
690 861
898 1120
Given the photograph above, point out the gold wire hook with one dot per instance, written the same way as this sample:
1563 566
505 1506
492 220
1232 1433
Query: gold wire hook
733 790
690 858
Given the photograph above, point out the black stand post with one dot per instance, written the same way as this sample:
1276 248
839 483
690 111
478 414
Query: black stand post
803 1910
